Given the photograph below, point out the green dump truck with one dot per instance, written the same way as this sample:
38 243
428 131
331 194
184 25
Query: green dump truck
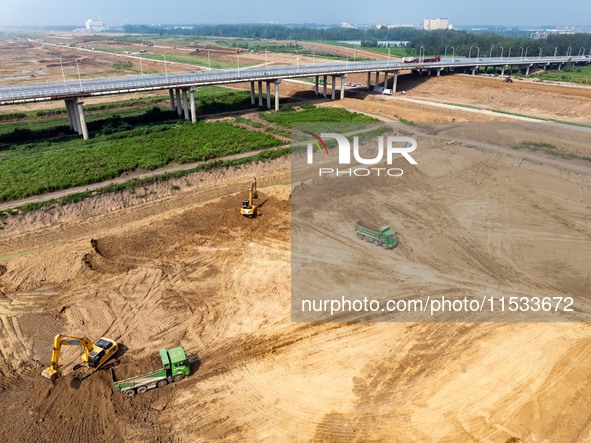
384 236
174 368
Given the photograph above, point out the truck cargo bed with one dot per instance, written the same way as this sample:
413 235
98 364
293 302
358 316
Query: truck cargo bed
370 226
137 367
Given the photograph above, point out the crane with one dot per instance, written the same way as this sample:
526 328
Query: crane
249 209
95 354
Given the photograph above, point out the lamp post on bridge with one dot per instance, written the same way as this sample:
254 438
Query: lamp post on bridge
569 51
297 60
63 74
421 49
141 66
238 60
555 51
526 48
540 53
502 50
477 53
208 60
509 55
583 51
453 54
79 78
491 49
165 67
521 56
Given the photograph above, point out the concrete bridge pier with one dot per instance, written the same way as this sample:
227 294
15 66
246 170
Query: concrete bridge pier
268 95
527 70
260 94
474 70
277 82
325 80
192 100
377 78
560 66
179 109
84 128
70 114
171 96
342 96
333 88
369 80
316 85
185 104
439 72
252 98
75 112
503 71
395 82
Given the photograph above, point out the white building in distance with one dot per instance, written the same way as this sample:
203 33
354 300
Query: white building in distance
92 26
430 24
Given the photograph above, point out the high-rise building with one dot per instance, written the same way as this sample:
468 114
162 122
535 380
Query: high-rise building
430 24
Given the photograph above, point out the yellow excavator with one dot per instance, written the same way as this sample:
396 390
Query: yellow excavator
249 209
95 354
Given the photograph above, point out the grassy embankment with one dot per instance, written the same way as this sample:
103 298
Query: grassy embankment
41 155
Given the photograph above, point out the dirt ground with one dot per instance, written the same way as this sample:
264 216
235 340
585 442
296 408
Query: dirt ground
176 264
165 268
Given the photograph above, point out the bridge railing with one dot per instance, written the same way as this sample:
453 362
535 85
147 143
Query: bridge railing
162 81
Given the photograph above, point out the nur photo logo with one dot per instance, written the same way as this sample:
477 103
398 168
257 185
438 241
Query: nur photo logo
388 148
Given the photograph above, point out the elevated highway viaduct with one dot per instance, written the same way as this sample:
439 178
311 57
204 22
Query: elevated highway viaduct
181 87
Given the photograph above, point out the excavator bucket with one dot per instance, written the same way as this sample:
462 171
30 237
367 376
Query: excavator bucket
49 374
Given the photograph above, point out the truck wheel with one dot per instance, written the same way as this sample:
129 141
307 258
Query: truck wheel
129 393
360 236
369 239
141 389
385 246
162 383
178 377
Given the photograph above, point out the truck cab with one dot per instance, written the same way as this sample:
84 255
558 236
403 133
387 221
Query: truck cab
175 362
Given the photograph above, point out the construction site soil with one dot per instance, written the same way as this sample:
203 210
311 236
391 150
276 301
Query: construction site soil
156 268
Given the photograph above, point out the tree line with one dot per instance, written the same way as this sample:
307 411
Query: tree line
435 42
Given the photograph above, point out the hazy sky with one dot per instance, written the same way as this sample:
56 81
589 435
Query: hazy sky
502 12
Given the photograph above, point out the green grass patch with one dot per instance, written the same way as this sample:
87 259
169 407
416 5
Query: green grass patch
246 121
320 115
551 150
576 74
463 105
406 121
262 156
38 168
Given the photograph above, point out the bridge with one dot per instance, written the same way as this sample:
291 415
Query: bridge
181 87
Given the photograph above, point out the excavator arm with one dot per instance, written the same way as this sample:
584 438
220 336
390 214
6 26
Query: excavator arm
94 355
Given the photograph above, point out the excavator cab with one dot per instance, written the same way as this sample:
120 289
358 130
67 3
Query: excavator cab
102 350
